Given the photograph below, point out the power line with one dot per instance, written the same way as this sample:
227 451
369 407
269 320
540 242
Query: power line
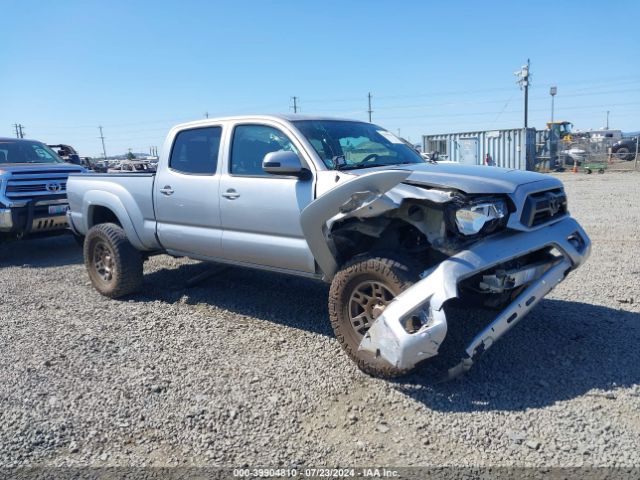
126 135
466 114
599 83
583 91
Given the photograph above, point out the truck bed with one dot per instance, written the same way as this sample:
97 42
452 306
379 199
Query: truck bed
135 190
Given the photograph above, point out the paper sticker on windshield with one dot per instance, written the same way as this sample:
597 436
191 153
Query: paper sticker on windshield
389 136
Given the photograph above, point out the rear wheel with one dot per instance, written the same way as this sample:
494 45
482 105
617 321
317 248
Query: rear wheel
623 153
113 264
359 293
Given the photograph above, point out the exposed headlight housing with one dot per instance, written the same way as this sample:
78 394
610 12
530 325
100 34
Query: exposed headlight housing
481 217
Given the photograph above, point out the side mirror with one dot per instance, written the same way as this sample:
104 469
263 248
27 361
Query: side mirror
283 162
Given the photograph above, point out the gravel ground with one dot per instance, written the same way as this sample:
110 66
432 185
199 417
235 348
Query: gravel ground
243 368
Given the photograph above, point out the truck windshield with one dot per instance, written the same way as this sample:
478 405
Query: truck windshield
26 151
345 145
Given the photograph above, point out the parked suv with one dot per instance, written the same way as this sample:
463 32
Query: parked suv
33 181
625 149
346 202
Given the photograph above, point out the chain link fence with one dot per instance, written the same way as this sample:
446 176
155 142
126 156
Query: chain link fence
586 154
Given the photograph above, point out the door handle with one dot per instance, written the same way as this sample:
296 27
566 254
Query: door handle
167 190
231 194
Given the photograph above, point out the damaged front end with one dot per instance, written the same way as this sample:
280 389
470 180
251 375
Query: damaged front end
567 246
507 250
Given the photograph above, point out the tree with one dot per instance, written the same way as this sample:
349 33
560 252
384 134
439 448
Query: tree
130 156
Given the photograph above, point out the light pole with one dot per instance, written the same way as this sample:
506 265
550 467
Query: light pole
552 91
607 119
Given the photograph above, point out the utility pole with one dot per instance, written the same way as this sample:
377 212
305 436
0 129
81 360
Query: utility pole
607 119
369 111
206 114
104 150
552 91
19 130
295 104
523 80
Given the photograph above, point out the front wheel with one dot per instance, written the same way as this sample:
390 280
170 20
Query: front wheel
113 264
359 293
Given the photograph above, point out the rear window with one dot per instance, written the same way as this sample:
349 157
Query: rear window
26 151
196 151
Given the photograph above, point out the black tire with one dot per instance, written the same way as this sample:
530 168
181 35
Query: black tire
588 171
113 264
623 153
395 275
601 170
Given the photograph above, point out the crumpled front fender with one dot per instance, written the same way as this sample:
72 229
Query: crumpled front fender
350 195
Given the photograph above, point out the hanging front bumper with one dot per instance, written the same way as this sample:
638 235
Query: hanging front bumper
388 337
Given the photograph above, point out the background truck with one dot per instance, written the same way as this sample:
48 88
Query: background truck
33 182
626 149
348 202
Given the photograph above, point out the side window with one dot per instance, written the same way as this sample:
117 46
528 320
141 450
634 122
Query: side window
196 151
251 143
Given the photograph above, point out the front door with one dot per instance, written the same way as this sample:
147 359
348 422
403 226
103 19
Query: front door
260 212
186 194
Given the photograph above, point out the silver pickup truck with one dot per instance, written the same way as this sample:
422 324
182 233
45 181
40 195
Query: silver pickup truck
347 202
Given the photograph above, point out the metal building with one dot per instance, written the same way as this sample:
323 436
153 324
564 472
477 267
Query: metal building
512 148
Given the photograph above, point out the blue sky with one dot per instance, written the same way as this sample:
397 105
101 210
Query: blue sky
138 67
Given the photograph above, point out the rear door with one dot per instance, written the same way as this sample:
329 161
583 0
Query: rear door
260 212
186 194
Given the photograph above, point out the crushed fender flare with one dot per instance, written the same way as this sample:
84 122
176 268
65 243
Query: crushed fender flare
352 194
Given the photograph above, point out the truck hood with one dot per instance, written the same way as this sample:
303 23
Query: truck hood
468 178
39 167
